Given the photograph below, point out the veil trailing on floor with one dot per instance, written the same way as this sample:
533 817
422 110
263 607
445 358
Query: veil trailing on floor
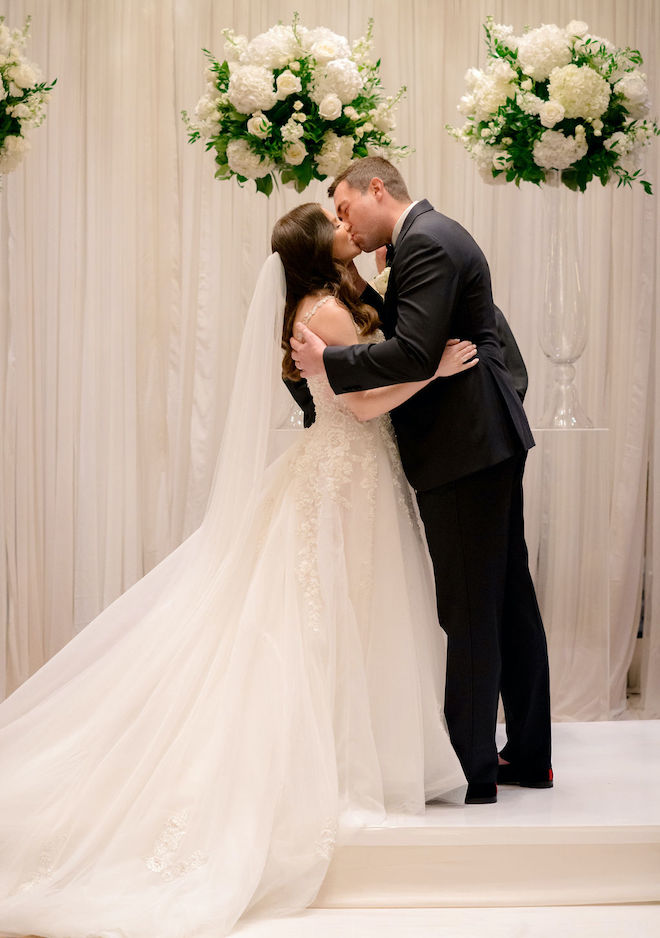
259 403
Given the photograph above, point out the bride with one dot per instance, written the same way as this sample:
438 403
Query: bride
196 751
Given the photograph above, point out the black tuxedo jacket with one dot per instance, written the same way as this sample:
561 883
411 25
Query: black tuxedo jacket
439 288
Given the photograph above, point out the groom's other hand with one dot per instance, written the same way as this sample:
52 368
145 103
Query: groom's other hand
307 352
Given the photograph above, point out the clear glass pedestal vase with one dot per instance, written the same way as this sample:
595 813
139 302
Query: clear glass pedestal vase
563 320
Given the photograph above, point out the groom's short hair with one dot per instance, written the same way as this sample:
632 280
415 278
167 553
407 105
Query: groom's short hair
359 174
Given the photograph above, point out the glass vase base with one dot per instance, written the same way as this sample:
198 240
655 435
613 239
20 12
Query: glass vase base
563 410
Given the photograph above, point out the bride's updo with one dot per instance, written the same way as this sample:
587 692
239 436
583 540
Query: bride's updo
304 238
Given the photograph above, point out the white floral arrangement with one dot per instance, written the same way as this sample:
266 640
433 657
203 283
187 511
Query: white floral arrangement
23 96
293 103
556 99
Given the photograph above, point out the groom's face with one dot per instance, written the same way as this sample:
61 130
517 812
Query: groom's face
362 214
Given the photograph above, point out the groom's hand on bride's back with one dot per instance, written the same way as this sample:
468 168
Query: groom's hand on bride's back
307 352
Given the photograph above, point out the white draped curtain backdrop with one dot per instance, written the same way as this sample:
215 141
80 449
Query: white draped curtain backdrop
126 271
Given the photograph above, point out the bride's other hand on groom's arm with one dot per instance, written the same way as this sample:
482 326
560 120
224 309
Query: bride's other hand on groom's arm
307 352
458 356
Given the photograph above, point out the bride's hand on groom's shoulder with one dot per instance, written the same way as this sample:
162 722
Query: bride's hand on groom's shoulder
459 355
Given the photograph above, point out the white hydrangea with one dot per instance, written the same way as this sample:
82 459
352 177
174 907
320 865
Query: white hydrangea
21 111
618 142
383 119
273 49
251 89
340 77
504 35
330 107
235 46
580 90
5 40
292 130
206 120
556 150
529 103
488 90
636 93
335 154
542 49
244 161
12 152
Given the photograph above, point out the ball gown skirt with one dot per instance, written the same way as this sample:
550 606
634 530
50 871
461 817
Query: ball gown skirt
195 752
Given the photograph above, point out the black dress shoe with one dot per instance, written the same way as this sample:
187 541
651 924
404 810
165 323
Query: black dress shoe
481 793
511 774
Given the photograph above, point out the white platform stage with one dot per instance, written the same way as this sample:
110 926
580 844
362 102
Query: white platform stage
592 840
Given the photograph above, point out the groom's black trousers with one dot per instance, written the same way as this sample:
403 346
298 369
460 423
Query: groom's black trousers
487 606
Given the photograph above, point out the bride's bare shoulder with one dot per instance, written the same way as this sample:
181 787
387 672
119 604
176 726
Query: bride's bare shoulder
328 318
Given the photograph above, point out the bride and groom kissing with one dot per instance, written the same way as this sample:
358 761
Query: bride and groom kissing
196 751
463 442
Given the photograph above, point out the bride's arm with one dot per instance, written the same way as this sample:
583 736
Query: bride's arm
334 324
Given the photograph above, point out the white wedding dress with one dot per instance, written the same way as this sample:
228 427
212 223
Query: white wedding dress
196 751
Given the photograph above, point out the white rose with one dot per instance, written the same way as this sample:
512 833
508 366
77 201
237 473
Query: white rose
330 107
259 125
577 28
350 113
325 45
294 153
22 75
325 50
287 83
550 113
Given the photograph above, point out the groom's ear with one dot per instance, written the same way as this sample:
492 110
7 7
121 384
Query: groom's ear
377 188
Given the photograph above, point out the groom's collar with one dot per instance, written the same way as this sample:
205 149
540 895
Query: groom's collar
399 224
412 212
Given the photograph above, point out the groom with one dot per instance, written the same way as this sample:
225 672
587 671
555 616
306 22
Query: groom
463 444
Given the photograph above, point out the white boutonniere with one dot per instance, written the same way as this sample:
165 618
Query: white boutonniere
381 280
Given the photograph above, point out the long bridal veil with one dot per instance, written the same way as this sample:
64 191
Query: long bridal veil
259 403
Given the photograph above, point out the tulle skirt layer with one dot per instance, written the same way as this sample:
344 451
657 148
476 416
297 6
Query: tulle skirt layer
198 749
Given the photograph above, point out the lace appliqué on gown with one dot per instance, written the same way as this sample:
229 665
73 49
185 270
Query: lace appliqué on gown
338 445
46 865
164 858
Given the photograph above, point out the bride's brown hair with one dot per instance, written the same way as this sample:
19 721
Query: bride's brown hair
303 238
